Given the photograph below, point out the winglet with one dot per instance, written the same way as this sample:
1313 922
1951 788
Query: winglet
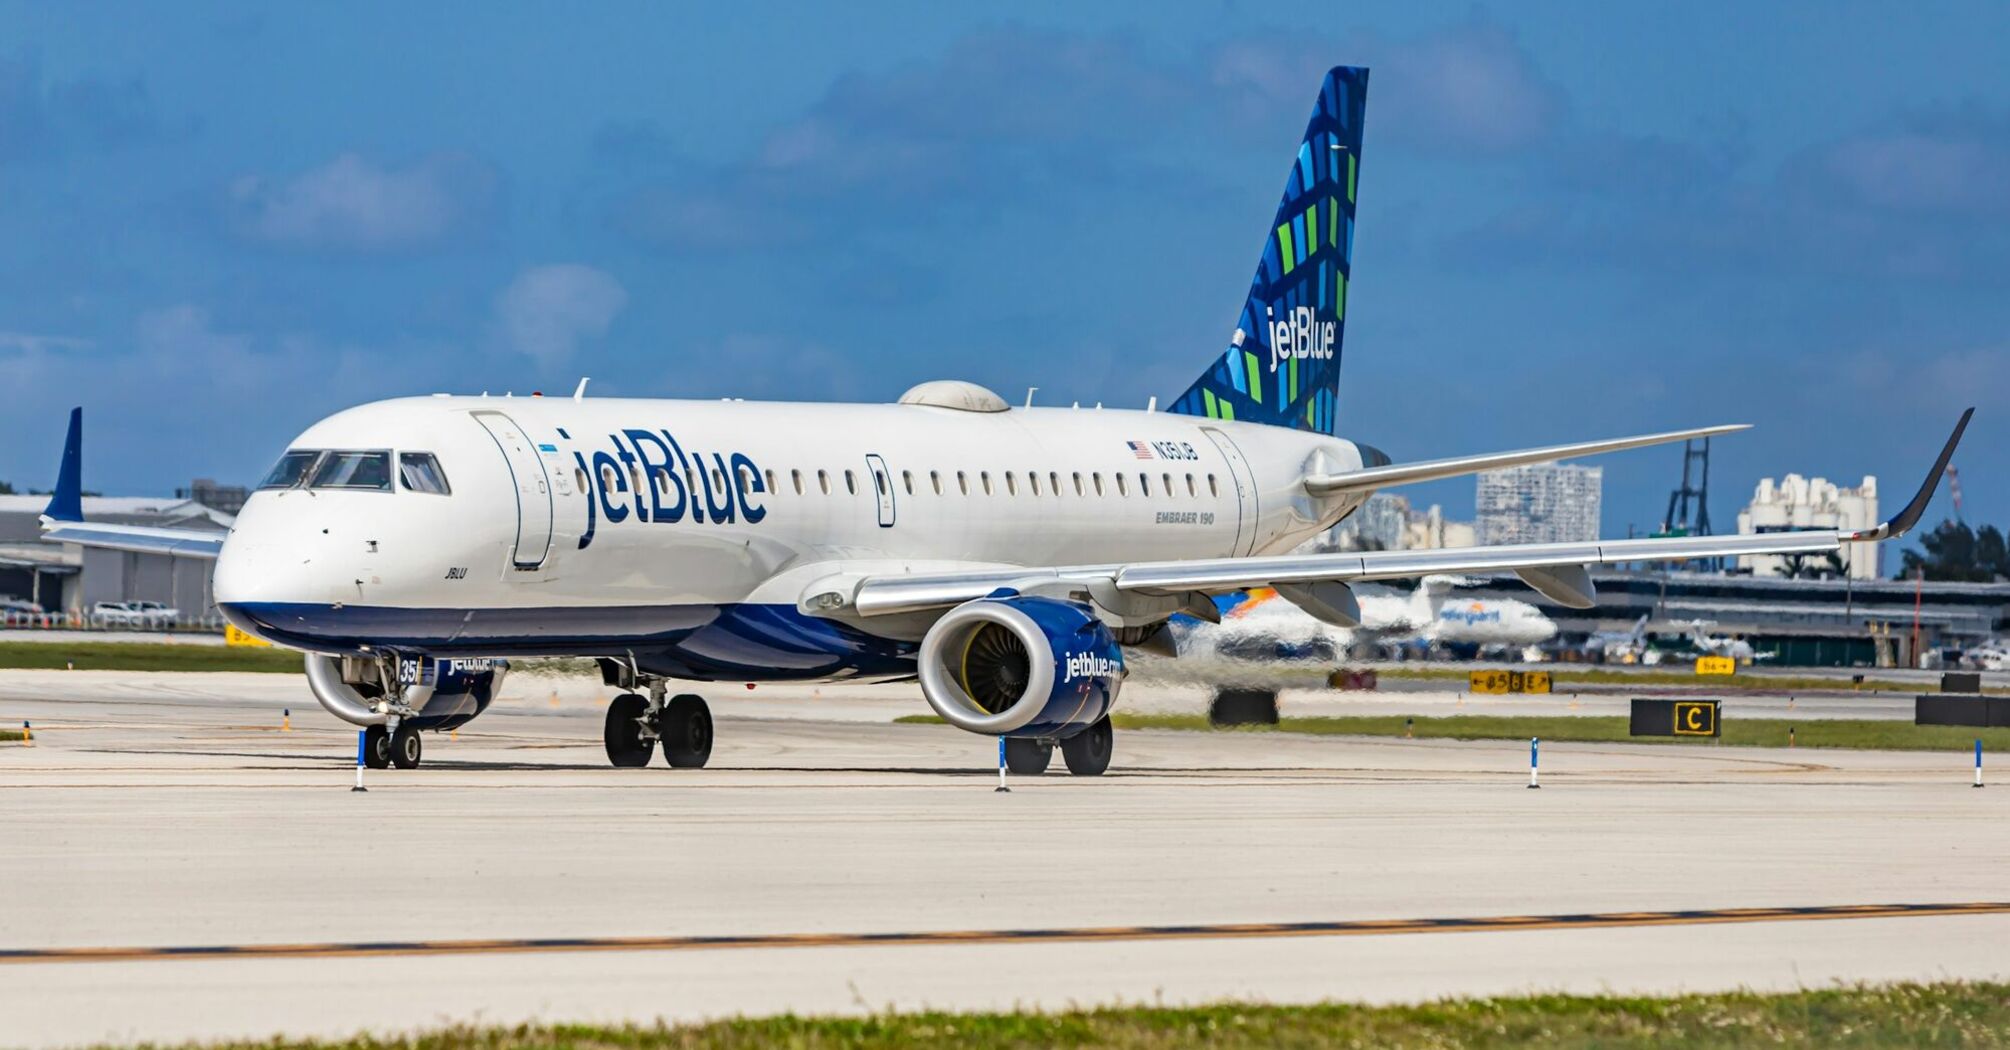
1907 518
67 504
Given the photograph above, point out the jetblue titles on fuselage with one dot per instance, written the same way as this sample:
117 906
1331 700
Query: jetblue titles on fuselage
650 477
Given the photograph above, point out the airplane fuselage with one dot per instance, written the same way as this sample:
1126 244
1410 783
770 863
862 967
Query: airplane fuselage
684 533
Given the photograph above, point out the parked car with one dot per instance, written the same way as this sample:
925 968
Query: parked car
157 614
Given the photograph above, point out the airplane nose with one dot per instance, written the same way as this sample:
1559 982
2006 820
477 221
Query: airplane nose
241 568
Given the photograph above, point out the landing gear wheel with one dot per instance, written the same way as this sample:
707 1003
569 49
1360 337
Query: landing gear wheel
1027 758
377 747
1088 752
406 748
686 728
627 748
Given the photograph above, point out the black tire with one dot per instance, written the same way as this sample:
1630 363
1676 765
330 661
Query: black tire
627 748
1027 758
406 748
686 729
377 747
1088 752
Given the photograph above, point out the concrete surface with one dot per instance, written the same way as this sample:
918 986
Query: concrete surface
167 810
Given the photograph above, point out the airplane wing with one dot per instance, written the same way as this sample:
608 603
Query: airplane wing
64 522
1384 475
1559 571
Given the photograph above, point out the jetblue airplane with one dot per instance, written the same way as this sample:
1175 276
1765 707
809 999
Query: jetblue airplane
1005 557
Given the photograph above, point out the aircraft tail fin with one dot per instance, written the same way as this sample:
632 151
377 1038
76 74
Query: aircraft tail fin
1282 366
67 503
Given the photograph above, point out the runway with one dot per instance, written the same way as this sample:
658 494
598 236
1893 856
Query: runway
171 812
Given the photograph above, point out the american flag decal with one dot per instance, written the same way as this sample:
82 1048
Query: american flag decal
1140 449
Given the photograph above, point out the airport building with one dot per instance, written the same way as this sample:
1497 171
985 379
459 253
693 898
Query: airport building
1387 522
1544 503
1812 503
1840 622
67 579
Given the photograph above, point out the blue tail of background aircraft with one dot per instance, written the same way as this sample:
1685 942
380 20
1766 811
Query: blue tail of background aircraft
1282 366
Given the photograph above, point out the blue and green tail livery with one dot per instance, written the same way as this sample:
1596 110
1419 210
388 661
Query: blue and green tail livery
1282 366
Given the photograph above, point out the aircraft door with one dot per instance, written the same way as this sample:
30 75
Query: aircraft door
533 489
882 488
1245 492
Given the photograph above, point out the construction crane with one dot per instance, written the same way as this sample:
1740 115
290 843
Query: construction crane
1689 506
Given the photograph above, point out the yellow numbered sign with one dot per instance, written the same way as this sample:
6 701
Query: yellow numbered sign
1716 665
1488 682
1534 681
233 636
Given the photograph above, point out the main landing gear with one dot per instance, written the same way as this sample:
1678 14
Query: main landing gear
636 725
1087 753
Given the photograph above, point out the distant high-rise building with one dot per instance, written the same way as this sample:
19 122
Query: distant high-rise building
1377 526
1817 503
1545 503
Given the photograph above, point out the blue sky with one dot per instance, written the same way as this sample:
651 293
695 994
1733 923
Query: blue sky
220 222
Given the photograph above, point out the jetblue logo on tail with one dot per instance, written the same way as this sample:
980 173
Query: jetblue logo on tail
1301 334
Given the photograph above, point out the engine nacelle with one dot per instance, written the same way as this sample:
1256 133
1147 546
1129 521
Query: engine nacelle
1021 667
442 694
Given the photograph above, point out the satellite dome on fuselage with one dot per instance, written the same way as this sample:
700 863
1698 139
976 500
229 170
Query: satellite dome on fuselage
958 394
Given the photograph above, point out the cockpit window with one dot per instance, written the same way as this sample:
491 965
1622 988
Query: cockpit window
291 467
353 470
421 473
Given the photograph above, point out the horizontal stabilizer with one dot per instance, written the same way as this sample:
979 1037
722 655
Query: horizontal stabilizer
1368 479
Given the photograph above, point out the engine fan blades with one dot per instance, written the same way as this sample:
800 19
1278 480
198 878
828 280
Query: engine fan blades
995 668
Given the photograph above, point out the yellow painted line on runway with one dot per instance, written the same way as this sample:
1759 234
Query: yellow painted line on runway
1223 931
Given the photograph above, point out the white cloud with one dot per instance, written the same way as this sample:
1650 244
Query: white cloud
37 343
546 311
353 204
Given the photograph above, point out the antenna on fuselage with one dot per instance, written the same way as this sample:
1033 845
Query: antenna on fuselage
1153 404
1029 395
579 392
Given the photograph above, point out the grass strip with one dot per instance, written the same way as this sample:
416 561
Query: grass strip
1744 681
1945 1014
1858 734
145 656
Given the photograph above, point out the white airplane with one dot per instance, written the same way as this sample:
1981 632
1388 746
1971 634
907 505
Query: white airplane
1005 557
1620 647
1989 656
1263 625
1709 644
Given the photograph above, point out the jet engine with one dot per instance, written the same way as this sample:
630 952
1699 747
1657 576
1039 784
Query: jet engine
1021 667
436 694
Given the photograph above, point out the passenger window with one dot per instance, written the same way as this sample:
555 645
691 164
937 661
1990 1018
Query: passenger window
1122 489
879 485
771 480
985 477
907 481
851 482
935 481
824 481
719 481
1212 489
607 477
1033 481
1054 482
1190 490
1011 486
353 470
1144 484
797 477
962 483
1078 483
1097 477
662 480
291 469
421 473
579 475
746 480
1166 485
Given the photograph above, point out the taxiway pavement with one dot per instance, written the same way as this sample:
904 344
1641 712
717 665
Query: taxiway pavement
164 811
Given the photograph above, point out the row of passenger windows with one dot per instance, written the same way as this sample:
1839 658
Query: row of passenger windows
962 482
